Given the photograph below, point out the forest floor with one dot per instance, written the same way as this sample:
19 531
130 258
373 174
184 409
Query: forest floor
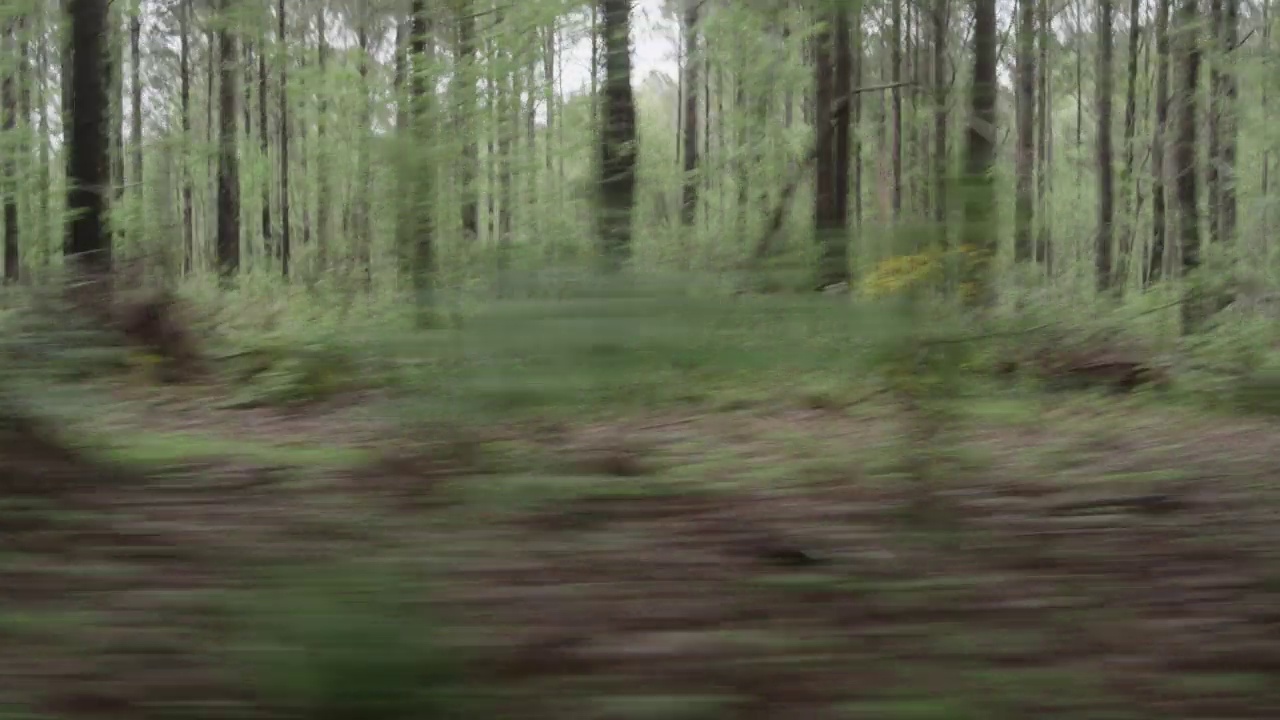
1070 556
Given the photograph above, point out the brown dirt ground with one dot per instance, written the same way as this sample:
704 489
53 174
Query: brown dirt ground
1100 563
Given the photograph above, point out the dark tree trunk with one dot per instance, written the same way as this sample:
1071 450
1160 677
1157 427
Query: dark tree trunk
1044 144
941 24
184 92
1024 211
1213 109
980 153
1159 234
9 107
618 152
322 149
285 249
896 94
87 149
228 245
1229 122
135 105
264 144
689 198
832 84
1129 216
466 84
1184 147
1104 261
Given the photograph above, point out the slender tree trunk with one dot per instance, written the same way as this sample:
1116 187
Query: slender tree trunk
228 247
980 152
1024 213
264 145
1128 215
617 137
9 107
420 233
1184 148
465 80
831 143
135 106
1106 182
1213 109
1229 121
286 249
941 17
360 212
184 92
896 94
1044 141
322 149
689 196
1159 169
856 63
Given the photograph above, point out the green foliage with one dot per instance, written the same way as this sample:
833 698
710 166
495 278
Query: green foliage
350 643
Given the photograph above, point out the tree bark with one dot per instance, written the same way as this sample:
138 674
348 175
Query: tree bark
1024 212
980 202
617 137
1104 260
1159 233
228 246
88 179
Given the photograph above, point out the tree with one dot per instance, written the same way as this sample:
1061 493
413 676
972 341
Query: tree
1106 180
184 93
1159 232
9 108
285 249
1024 212
228 245
831 117
689 197
88 157
980 151
617 137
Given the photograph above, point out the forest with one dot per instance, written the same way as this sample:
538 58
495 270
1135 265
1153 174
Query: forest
639 360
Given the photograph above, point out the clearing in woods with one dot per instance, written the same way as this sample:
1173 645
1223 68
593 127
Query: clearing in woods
1076 558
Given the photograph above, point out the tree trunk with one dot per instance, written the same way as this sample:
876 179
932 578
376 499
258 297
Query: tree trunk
1184 148
286 249
228 246
980 202
1128 215
1024 213
1044 143
322 149
831 143
1159 233
420 232
264 145
135 105
1213 109
465 79
896 93
9 108
689 196
941 22
87 241
1104 261
1229 122
184 92
617 137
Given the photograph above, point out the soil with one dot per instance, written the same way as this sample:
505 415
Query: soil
1105 561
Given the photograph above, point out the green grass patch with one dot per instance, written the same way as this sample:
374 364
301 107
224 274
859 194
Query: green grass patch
168 448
